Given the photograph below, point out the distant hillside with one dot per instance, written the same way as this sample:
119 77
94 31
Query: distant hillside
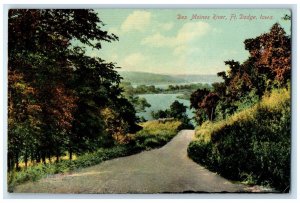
200 78
153 78
149 78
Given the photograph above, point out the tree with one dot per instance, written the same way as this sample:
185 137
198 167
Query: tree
140 104
177 111
197 97
271 53
268 67
209 104
160 114
57 92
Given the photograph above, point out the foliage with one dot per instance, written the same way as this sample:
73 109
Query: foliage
268 67
177 111
271 52
186 89
253 142
209 104
36 172
57 94
156 133
140 104
160 114
198 96
200 116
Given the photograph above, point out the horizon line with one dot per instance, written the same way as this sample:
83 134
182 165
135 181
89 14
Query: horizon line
119 70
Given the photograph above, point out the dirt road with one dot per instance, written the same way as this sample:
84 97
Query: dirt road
167 169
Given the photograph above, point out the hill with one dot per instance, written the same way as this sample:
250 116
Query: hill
154 78
148 78
199 78
252 145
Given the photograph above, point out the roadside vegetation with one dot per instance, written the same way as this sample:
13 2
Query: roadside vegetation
177 111
59 98
63 102
252 145
154 134
244 123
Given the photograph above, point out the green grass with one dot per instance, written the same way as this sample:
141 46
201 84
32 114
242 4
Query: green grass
252 145
154 134
36 172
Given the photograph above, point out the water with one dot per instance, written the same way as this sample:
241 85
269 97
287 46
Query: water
162 102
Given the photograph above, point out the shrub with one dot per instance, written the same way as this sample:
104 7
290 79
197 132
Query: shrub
154 134
252 145
36 172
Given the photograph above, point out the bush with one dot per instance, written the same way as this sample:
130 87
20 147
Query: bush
154 134
34 173
252 145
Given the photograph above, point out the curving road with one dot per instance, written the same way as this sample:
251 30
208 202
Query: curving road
164 170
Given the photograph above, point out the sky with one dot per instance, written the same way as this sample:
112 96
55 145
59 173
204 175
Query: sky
170 41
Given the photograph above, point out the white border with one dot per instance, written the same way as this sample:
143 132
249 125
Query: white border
147 4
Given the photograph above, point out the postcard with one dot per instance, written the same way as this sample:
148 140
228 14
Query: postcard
148 101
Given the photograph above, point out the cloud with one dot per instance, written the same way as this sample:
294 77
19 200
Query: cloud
183 45
191 31
136 21
180 50
187 33
158 40
185 50
166 26
133 61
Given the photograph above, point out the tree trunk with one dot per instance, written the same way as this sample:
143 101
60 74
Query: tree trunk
17 161
44 158
49 157
57 157
70 154
38 158
211 114
10 161
26 158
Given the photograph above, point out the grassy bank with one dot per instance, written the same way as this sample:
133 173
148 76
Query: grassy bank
251 146
154 134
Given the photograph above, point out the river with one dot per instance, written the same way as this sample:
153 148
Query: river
162 102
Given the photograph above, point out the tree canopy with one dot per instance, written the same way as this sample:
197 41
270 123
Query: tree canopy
268 67
56 93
